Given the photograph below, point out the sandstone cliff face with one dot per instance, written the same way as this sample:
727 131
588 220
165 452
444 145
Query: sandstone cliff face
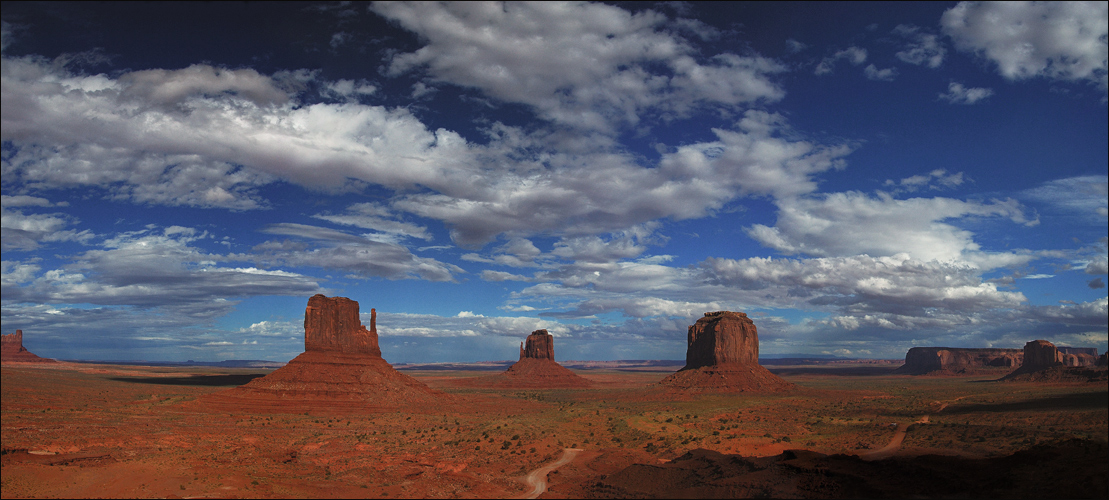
722 337
955 360
341 367
12 350
538 345
1040 354
1044 363
722 355
332 324
12 343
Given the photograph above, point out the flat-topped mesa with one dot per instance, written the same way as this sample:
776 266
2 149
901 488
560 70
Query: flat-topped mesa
538 345
958 360
723 355
332 324
722 337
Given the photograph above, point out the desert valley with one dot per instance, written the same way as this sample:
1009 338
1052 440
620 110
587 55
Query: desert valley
339 421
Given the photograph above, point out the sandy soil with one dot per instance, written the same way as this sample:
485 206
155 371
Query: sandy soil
77 430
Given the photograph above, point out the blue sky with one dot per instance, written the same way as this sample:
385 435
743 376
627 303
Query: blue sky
859 178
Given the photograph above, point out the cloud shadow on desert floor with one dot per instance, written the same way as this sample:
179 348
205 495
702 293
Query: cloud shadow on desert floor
1073 401
195 380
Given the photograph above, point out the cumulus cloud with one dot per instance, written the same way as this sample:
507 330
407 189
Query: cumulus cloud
1056 40
22 231
957 93
148 269
921 48
898 285
853 55
214 138
853 223
602 66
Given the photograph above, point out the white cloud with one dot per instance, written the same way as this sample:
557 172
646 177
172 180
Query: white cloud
959 94
379 218
1056 40
20 231
873 73
794 46
176 87
331 249
935 180
1085 195
853 55
156 270
922 48
602 65
853 223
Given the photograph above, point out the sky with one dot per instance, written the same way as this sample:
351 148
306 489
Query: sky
859 178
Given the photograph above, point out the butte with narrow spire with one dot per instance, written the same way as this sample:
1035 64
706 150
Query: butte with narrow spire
341 366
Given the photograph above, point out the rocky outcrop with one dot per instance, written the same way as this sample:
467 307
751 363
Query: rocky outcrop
722 354
1040 354
538 345
959 361
536 369
12 350
722 337
1092 351
341 366
1078 356
1044 363
332 324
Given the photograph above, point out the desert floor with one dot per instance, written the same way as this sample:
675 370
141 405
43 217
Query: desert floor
85 430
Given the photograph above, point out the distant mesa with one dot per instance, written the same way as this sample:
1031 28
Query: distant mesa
1043 362
341 366
723 355
959 361
967 361
14 352
536 368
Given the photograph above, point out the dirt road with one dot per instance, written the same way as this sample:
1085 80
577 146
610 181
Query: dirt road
895 444
537 478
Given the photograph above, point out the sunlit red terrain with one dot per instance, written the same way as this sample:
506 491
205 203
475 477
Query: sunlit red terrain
86 430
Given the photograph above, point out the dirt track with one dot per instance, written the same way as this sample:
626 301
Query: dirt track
537 478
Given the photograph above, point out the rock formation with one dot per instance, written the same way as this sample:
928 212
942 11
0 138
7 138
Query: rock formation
723 355
341 366
959 361
12 350
332 324
1078 356
538 345
536 369
1044 363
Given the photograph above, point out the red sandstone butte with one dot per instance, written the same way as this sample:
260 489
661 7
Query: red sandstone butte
1043 362
536 368
723 355
538 345
341 366
12 350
